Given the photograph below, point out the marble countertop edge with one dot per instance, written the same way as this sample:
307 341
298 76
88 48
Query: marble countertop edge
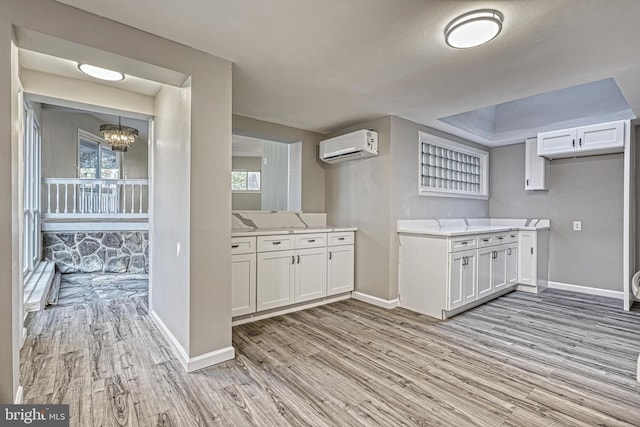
288 230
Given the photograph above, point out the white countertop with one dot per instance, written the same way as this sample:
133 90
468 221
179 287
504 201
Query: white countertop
449 228
270 231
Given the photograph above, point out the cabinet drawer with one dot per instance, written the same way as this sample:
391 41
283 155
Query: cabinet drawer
500 239
342 238
512 236
317 240
243 245
275 243
463 243
485 240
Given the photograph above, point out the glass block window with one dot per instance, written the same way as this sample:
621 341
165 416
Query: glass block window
451 169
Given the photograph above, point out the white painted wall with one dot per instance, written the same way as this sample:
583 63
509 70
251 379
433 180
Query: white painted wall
170 243
60 145
209 296
59 87
373 194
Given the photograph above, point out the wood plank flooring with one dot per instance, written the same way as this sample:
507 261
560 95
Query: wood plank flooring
554 359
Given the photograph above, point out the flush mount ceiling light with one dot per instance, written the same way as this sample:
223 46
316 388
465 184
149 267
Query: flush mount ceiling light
119 137
473 28
101 73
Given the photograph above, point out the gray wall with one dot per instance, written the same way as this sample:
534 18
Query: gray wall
405 202
60 145
246 201
374 193
589 189
209 209
313 188
358 195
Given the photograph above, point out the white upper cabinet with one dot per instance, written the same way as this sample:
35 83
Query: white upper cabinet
535 167
604 138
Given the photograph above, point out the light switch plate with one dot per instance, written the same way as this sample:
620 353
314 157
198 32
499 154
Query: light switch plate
577 225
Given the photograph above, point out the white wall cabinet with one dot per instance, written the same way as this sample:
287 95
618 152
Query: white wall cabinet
340 269
603 138
535 167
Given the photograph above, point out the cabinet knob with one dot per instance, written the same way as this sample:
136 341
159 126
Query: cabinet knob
293 260
235 246
573 142
311 240
580 142
532 251
330 255
340 238
527 181
298 259
276 243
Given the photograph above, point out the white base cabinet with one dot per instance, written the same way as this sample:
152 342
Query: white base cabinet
340 270
243 275
243 284
533 261
441 276
296 268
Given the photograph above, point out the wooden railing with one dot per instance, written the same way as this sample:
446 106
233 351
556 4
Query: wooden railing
71 198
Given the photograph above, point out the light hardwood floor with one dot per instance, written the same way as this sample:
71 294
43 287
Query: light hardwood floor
554 359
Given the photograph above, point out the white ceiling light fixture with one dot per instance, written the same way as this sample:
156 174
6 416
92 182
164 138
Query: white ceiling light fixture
473 29
101 73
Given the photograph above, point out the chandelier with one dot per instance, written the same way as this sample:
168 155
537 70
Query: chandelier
119 137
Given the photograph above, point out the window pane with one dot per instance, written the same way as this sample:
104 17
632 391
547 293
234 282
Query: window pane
109 164
253 181
238 180
88 159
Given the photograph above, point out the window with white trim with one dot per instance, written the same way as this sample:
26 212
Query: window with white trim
450 169
96 160
245 181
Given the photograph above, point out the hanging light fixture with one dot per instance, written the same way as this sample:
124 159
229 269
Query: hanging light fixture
473 28
119 137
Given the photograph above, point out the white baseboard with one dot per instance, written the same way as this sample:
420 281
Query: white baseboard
586 290
278 312
193 363
370 299
19 393
210 359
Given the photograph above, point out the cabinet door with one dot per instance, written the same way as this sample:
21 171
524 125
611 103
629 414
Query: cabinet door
469 278
499 271
485 265
457 264
527 258
311 274
243 284
601 136
512 264
557 142
340 269
276 275
534 167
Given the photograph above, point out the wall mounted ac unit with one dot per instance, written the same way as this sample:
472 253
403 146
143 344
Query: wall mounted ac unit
355 145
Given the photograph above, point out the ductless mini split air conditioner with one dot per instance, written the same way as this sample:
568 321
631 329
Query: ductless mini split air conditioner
355 145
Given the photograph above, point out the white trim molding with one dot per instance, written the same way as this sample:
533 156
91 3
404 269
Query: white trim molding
19 394
370 299
586 290
193 363
241 320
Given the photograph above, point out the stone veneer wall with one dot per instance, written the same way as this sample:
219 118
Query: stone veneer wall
90 252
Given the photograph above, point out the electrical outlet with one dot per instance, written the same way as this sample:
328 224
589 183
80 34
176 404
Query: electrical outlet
577 225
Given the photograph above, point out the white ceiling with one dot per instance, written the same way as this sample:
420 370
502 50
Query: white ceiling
323 65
